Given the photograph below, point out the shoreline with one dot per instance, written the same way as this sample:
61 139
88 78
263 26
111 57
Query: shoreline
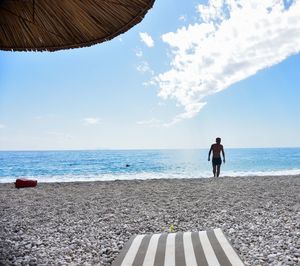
89 222
149 179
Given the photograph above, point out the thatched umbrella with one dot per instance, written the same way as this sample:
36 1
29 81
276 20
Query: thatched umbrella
50 25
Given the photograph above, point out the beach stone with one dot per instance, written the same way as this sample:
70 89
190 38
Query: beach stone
259 215
231 231
272 257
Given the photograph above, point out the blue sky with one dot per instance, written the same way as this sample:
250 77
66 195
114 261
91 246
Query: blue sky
189 72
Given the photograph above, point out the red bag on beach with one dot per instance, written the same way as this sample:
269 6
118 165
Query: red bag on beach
25 183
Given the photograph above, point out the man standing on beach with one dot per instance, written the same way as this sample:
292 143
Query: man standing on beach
216 149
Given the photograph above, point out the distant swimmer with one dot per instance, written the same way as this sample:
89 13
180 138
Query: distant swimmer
127 165
216 149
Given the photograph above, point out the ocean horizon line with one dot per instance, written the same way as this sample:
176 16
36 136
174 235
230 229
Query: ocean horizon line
144 149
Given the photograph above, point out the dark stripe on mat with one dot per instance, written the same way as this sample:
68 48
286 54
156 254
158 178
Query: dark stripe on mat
123 253
199 253
140 256
161 250
179 250
221 256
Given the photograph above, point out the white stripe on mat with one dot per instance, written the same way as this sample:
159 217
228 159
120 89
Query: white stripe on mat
228 250
131 253
170 250
208 250
189 253
151 251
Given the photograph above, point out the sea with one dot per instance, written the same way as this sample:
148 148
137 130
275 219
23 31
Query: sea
102 165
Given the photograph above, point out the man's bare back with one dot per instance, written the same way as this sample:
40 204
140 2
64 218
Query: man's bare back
216 149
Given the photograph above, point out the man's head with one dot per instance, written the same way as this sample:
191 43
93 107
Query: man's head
218 140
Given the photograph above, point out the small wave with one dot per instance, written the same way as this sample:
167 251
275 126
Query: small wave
146 176
262 173
104 177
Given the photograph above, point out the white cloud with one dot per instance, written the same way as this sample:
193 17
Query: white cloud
2 126
144 67
150 82
138 53
60 136
147 39
92 120
150 123
232 41
182 18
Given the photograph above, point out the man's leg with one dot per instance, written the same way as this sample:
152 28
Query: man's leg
218 170
214 169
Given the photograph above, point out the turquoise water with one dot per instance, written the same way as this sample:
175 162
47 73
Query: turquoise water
65 166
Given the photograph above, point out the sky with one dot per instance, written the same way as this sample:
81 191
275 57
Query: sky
191 71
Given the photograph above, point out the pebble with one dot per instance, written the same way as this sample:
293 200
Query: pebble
89 223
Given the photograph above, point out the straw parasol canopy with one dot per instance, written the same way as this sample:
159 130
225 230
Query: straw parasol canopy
51 25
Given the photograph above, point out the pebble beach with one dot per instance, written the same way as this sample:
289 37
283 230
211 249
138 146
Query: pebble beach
88 223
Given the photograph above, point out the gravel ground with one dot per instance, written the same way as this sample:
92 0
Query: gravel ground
88 223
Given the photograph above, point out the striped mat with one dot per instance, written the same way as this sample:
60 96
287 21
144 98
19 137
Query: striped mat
179 249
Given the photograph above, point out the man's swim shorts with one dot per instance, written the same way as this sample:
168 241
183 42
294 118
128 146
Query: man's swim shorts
216 161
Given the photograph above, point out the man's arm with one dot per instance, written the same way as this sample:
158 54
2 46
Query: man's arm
223 153
210 152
